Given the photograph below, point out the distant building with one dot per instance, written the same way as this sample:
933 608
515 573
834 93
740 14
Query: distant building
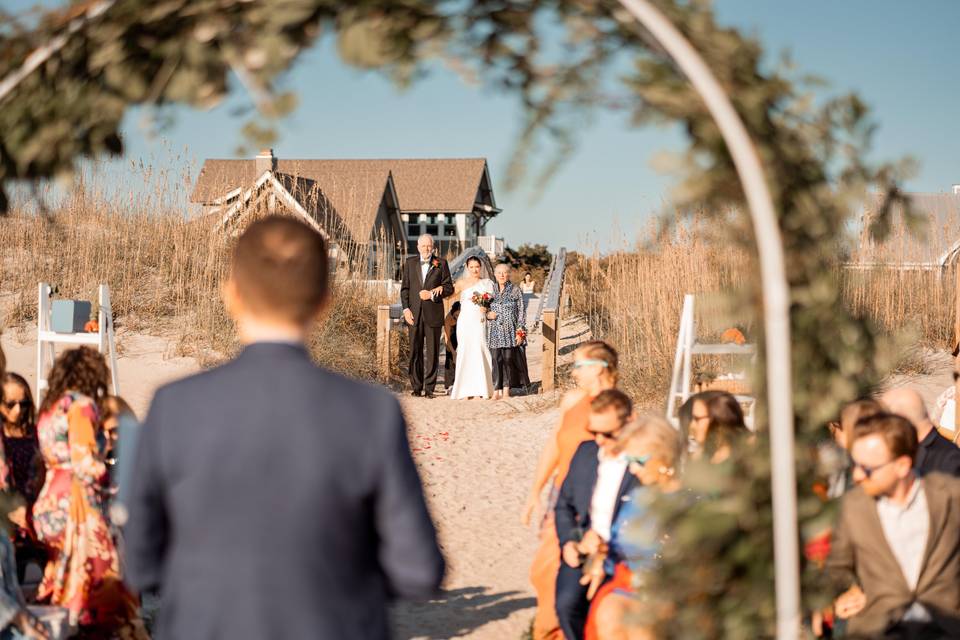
933 245
374 208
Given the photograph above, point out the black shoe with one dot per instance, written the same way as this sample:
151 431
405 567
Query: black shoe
428 395
415 394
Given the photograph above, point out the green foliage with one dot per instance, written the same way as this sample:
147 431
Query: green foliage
180 51
528 256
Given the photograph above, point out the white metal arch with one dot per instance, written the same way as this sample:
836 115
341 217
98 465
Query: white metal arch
776 299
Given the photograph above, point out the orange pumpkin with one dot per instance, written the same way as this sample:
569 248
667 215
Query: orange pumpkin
92 326
733 335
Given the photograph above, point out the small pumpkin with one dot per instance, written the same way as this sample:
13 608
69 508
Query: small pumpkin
733 335
92 326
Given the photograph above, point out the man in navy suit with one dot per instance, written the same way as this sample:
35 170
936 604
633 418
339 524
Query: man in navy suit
272 498
590 498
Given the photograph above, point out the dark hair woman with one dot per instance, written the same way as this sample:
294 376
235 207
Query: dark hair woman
83 573
717 424
23 466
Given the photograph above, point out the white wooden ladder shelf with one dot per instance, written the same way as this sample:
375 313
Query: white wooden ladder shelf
47 339
687 347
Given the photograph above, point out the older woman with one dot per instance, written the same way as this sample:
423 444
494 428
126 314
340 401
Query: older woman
507 333
654 452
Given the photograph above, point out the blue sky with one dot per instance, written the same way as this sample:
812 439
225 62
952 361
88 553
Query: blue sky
900 56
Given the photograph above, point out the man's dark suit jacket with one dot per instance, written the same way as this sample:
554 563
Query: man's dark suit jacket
573 504
274 499
413 282
860 554
936 453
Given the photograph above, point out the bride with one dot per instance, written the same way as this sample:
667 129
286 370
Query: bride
474 373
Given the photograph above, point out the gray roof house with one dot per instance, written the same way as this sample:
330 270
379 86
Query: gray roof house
373 207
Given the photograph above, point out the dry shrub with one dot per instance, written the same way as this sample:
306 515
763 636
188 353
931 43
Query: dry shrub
164 270
633 299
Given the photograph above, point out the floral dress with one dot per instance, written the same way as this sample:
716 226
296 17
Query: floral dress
83 573
511 317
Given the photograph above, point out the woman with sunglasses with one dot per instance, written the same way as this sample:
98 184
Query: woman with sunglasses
594 370
23 466
654 452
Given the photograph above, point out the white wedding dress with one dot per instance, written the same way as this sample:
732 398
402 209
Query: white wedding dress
474 373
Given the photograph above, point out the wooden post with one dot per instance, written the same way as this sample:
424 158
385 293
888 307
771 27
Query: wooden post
550 339
383 342
956 353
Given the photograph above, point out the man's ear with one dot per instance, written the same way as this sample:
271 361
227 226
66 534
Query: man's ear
231 298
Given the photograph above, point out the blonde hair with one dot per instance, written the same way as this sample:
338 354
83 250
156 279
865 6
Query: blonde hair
600 350
665 443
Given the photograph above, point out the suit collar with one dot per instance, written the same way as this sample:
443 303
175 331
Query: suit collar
255 349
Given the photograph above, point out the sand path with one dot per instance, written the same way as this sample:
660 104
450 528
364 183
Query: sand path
476 459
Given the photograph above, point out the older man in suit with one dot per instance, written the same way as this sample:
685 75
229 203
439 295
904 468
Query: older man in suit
590 498
896 548
272 498
425 283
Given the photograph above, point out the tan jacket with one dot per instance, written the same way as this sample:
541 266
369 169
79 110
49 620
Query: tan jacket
860 554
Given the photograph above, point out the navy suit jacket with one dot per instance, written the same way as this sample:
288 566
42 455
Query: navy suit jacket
274 499
936 453
573 504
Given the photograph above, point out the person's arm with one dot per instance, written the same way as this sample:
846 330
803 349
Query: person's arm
408 552
147 532
566 511
521 320
840 567
447 280
85 459
405 287
546 466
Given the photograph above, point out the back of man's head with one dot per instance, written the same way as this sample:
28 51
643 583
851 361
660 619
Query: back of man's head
279 270
907 403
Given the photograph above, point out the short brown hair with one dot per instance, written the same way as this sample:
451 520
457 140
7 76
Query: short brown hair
600 350
897 432
280 268
613 399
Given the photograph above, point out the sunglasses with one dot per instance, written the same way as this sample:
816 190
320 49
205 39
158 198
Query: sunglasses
606 435
638 460
869 471
579 364
23 404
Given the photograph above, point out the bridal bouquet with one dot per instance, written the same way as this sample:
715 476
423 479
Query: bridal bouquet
481 299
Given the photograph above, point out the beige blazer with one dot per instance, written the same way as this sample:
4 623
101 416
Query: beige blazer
860 554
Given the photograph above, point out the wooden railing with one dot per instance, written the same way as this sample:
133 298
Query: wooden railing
552 303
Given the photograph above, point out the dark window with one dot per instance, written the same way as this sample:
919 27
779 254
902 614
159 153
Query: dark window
432 219
413 229
450 218
450 232
432 229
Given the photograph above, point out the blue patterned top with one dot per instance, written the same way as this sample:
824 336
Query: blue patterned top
511 315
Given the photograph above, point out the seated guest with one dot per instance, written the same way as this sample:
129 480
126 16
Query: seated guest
654 450
590 499
896 547
841 479
16 620
716 424
23 466
272 498
935 453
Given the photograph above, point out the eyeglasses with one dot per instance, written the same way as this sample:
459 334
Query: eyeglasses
588 363
23 404
869 471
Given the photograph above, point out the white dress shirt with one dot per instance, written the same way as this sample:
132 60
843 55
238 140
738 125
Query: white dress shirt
906 528
603 504
424 267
